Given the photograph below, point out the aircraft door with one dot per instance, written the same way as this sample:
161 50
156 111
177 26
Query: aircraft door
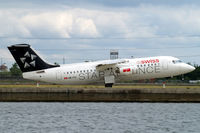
165 65
59 75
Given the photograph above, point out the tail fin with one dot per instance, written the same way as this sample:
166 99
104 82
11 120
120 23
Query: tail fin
27 59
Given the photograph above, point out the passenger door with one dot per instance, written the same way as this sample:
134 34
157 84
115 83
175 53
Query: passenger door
59 75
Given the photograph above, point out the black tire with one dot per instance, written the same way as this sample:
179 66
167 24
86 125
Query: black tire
109 85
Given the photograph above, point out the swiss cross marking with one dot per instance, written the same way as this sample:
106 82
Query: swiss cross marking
127 70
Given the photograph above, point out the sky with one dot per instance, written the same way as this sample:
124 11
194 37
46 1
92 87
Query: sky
69 31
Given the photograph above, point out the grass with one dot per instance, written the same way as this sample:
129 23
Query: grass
50 86
101 86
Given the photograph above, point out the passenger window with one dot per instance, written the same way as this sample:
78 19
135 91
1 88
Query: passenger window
70 72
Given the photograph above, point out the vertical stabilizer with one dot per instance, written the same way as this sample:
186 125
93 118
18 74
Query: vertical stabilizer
27 59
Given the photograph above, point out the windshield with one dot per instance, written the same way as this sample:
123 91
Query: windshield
176 61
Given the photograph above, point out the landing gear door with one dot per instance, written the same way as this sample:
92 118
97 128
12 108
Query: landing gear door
109 79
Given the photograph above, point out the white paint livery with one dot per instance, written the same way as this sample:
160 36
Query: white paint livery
109 71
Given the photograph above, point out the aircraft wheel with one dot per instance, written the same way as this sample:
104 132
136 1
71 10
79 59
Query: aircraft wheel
109 85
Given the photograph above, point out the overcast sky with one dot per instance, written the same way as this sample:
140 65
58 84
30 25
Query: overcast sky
86 30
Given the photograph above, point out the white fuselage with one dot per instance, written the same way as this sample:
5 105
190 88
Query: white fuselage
131 69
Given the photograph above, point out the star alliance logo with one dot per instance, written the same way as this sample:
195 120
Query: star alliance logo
31 63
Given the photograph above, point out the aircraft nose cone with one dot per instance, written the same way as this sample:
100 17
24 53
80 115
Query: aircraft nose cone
191 68
187 68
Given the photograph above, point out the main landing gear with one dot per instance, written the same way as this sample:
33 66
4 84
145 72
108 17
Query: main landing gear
109 85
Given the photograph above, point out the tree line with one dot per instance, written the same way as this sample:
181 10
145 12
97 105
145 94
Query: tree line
14 72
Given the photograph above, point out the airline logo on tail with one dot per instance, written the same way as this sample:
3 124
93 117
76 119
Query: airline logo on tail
32 58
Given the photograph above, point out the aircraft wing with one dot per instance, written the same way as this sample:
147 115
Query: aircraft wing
108 64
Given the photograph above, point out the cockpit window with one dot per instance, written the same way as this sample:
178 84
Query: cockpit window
176 61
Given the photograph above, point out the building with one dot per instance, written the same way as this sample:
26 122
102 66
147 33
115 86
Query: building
3 68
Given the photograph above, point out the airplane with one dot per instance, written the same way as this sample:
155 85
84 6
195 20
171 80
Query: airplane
107 71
